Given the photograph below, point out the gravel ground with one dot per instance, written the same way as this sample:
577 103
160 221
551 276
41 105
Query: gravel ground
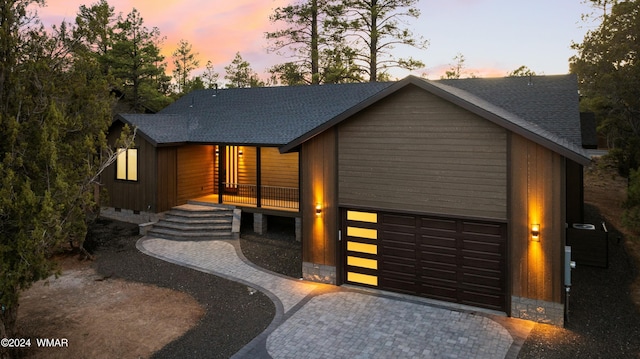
233 316
603 322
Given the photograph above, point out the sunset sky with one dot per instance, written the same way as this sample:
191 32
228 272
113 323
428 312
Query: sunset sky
495 36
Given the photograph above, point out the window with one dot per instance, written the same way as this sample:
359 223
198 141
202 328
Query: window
127 164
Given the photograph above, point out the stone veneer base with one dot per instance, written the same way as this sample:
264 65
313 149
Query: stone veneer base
538 311
127 215
318 273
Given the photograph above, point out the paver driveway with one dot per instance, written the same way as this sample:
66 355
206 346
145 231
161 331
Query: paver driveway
321 321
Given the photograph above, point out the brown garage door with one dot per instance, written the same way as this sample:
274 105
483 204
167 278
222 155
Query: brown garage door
456 260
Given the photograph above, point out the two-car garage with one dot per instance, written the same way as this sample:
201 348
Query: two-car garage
451 259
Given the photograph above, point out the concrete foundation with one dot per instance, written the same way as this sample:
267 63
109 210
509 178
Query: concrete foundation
260 223
298 229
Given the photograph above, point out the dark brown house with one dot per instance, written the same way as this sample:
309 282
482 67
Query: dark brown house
452 190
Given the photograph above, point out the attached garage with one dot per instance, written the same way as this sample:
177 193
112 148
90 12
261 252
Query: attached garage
451 259
434 191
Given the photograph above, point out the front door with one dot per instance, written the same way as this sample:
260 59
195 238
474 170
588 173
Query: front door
231 169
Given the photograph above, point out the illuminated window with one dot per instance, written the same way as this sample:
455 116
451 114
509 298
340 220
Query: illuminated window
127 164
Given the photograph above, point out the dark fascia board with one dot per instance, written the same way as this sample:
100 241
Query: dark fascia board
441 92
121 119
244 144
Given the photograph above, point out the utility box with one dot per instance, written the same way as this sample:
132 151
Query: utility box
568 266
589 244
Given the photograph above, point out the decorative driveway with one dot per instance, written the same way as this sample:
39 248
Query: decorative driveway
322 321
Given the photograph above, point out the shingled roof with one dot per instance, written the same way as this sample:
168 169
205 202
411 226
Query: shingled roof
542 108
268 116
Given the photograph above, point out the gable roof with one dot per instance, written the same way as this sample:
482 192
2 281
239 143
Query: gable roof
270 116
543 109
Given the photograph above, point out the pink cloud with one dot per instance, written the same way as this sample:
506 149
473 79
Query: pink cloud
216 29
437 72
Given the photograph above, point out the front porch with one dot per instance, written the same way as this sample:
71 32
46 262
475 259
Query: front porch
256 179
247 197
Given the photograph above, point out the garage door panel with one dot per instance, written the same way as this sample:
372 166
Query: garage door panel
481 248
437 241
438 292
408 252
395 285
485 300
433 259
460 259
486 280
406 221
438 224
398 238
493 264
482 227
402 267
452 259
443 274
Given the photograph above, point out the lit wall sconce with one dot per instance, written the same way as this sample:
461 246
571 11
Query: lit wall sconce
217 151
535 232
318 209
240 152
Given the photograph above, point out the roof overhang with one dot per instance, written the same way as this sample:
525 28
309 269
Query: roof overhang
466 101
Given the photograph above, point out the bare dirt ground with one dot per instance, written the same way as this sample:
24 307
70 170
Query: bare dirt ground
102 317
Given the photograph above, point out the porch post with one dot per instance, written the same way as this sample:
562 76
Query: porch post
258 177
221 172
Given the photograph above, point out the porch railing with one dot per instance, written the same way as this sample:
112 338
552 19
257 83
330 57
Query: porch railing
270 196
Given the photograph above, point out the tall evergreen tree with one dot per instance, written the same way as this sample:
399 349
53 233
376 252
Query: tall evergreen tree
184 61
305 37
240 74
315 45
137 64
95 27
608 71
210 77
375 28
55 109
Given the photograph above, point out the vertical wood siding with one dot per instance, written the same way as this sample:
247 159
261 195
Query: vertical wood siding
319 233
416 152
537 195
280 170
167 178
134 195
195 172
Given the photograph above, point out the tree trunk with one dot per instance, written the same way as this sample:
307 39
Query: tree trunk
315 68
373 49
8 316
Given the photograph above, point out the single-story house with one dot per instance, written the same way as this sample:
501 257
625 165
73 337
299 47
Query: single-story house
455 190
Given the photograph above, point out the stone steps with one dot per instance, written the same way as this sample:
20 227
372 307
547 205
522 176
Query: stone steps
197 222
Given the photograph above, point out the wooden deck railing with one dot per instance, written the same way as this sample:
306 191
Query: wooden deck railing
270 196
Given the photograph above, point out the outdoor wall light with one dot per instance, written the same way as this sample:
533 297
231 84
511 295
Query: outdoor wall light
535 232
240 152
318 209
